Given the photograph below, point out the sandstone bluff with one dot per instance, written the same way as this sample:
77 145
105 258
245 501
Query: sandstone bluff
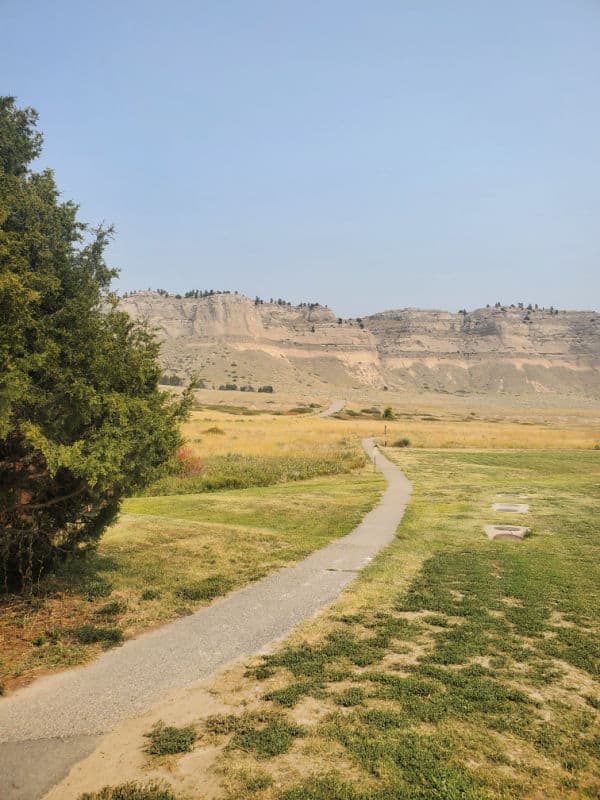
230 338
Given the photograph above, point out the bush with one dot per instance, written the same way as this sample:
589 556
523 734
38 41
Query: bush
388 413
403 442
166 740
189 465
267 389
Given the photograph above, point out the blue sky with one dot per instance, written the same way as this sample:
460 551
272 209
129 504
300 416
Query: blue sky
368 155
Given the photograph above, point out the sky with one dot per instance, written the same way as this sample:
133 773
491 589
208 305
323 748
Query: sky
365 155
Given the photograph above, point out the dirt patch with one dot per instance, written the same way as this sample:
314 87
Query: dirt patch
120 757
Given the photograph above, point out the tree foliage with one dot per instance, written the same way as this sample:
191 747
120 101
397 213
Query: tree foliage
82 421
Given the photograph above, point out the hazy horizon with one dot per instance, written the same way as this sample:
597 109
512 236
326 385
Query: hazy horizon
394 155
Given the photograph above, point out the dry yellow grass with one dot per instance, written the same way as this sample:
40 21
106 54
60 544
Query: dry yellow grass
267 434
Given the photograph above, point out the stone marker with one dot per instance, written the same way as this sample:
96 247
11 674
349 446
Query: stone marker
511 508
514 532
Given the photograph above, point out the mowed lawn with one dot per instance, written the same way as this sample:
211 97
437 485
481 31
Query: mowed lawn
454 668
167 556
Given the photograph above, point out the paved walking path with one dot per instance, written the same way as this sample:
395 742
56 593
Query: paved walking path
336 405
50 725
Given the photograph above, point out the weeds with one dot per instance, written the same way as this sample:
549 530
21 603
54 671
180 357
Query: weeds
150 594
131 791
112 609
206 589
93 634
98 588
268 740
167 740
265 734
239 471
257 781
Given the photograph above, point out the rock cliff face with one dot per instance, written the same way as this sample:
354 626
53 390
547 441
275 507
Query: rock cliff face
230 338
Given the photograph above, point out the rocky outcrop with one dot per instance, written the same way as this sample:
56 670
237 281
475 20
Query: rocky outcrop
230 338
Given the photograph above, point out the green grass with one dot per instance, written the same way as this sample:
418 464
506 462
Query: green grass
263 734
93 634
240 471
165 740
471 662
168 555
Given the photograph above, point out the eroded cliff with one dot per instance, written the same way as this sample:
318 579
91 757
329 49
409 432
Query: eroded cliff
230 338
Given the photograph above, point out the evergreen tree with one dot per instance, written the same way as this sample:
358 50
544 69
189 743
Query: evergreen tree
82 421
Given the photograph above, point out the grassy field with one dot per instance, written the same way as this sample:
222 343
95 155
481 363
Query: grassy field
167 556
427 425
455 668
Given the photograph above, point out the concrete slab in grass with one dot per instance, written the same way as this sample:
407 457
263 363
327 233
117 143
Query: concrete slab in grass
514 532
511 508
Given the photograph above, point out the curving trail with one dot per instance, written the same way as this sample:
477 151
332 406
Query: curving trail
50 725
336 405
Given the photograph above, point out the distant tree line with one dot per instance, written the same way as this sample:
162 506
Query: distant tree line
530 307
233 387
201 293
195 293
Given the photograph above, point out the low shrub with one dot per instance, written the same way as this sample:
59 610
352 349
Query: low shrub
167 740
403 442
189 465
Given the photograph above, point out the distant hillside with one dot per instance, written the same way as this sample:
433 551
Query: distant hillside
231 338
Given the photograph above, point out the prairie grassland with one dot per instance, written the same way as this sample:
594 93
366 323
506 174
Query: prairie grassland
167 556
268 435
454 668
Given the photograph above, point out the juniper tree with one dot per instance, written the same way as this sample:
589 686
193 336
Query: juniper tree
82 421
